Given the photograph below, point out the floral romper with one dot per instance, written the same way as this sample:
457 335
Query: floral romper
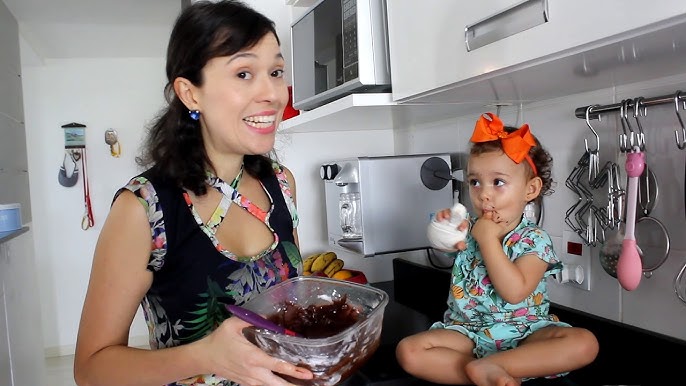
476 310
193 274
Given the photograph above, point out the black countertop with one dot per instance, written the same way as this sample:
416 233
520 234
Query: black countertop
628 356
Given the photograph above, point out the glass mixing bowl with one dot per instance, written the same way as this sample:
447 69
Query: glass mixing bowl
332 358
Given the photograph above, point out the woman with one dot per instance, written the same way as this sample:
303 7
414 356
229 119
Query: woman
221 216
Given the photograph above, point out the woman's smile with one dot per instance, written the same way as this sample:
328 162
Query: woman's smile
263 123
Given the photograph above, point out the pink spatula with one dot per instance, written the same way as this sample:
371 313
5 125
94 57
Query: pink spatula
629 266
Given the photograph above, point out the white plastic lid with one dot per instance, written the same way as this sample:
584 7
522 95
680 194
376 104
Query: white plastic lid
10 206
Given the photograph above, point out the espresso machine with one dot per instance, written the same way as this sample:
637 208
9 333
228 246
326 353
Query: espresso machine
378 205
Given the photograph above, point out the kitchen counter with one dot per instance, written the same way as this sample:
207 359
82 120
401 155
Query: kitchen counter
628 355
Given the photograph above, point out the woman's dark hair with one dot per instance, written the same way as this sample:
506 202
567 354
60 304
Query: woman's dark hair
203 31
540 156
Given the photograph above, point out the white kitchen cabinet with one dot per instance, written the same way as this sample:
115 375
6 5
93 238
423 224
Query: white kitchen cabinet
22 314
5 364
428 51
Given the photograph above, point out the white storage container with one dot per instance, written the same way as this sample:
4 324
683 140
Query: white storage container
10 217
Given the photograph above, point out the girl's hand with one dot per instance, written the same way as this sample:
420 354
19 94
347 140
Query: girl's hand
228 354
444 215
488 228
463 227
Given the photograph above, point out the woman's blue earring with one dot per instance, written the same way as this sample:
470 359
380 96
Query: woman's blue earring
195 114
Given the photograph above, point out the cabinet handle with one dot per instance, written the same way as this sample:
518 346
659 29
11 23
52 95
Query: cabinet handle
518 18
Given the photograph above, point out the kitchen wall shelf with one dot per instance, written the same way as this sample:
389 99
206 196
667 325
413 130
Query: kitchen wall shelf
373 111
352 112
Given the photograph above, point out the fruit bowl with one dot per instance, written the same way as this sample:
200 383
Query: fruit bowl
332 358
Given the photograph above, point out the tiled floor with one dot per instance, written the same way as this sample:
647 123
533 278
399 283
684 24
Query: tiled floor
59 370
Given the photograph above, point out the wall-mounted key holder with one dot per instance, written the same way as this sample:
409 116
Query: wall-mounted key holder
111 138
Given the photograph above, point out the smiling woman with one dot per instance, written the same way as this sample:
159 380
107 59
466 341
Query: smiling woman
212 217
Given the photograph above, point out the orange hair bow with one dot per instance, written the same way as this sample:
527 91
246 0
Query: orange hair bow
515 144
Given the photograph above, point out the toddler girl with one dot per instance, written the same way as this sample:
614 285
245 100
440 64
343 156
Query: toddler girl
497 329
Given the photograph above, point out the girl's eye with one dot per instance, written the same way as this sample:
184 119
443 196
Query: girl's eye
244 75
474 182
277 73
498 182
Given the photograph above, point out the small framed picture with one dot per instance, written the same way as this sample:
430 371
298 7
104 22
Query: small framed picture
74 136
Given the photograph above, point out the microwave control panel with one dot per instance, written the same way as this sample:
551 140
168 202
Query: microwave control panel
349 9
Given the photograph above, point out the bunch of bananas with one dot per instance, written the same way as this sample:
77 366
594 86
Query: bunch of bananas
325 264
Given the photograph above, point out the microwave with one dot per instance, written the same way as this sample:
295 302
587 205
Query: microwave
339 47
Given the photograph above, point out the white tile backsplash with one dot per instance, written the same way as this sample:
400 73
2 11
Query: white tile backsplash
654 305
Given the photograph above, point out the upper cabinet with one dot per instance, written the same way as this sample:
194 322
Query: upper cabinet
450 58
500 50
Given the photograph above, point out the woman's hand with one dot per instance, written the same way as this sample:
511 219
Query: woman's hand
229 355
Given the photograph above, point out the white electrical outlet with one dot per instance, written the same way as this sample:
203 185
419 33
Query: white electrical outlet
576 258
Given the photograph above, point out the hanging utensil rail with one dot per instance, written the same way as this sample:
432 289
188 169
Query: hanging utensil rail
580 112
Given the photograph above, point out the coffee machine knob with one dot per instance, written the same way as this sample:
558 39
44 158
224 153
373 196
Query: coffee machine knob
322 172
331 171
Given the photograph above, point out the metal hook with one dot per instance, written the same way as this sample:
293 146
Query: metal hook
681 144
645 202
623 137
594 155
633 141
627 139
588 123
637 113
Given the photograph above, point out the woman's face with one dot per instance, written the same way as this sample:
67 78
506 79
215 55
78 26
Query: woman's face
242 99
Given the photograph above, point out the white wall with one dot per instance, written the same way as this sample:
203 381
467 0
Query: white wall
123 94
654 305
